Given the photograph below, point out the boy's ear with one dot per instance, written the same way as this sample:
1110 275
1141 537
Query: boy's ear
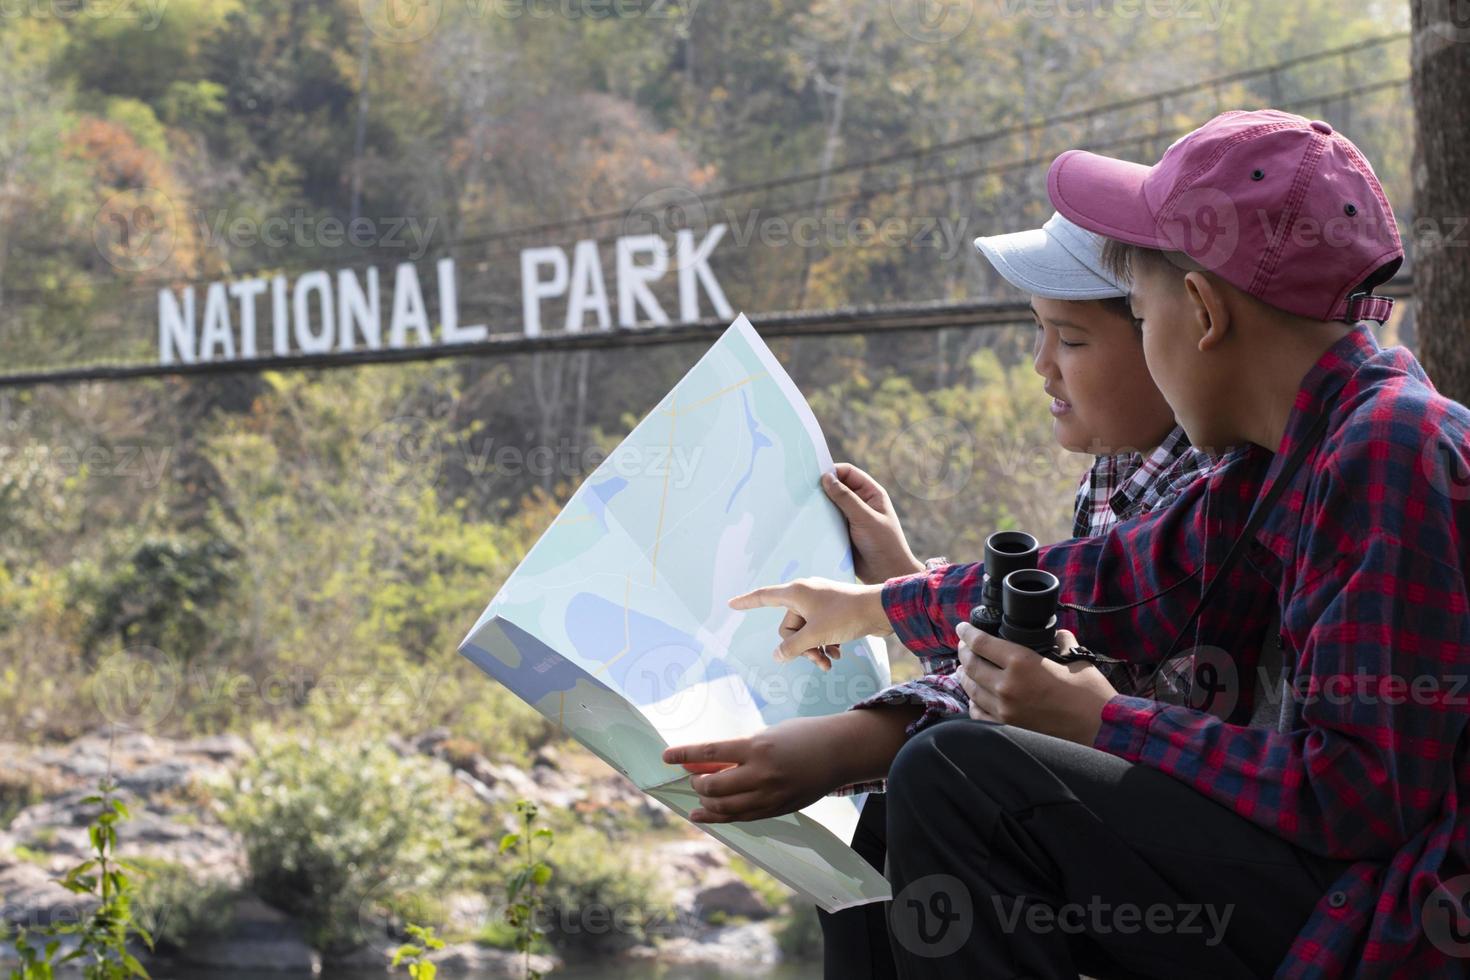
1207 309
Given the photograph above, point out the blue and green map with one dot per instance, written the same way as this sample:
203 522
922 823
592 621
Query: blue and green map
615 625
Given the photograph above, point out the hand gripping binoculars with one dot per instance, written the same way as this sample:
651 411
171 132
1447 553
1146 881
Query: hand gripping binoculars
1018 600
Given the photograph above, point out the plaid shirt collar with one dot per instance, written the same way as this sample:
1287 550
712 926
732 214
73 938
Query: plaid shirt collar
1116 487
1148 469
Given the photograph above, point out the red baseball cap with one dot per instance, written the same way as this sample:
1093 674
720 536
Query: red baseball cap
1279 206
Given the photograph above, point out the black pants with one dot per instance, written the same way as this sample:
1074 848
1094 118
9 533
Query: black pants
855 942
1014 854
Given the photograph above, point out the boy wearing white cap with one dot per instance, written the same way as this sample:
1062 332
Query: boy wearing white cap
1104 402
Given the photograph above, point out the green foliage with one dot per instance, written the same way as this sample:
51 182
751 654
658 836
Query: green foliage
103 936
32 856
104 933
334 830
35 961
139 120
961 460
600 902
175 906
496 933
193 104
523 890
799 934
164 596
415 955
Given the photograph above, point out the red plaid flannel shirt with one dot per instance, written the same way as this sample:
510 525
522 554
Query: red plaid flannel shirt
1114 489
1365 558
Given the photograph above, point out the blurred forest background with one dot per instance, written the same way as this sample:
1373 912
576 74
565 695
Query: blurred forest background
350 524
270 521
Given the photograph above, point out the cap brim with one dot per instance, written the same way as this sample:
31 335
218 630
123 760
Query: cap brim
1037 263
1105 196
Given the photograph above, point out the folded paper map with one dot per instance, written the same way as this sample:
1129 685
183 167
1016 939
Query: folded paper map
615 625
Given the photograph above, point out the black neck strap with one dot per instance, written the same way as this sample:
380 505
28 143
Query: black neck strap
1253 524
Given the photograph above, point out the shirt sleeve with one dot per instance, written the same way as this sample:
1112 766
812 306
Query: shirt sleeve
941 697
1125 592
1382 626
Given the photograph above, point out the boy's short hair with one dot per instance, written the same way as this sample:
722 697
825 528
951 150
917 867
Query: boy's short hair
1120 259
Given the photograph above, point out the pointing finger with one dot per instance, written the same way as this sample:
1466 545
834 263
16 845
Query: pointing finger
769 595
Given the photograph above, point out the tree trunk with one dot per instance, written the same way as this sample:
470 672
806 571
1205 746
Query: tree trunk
1441 83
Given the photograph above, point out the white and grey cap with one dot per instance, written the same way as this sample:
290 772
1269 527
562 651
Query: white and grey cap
1059 260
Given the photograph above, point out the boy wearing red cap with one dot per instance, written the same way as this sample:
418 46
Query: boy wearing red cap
1074 829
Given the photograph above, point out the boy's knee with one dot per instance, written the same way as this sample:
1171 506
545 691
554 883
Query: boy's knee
989 765
944 753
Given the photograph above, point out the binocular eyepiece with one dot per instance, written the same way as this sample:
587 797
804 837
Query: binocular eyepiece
1018 600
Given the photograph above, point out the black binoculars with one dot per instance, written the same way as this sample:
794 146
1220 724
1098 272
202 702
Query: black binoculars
1018 600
